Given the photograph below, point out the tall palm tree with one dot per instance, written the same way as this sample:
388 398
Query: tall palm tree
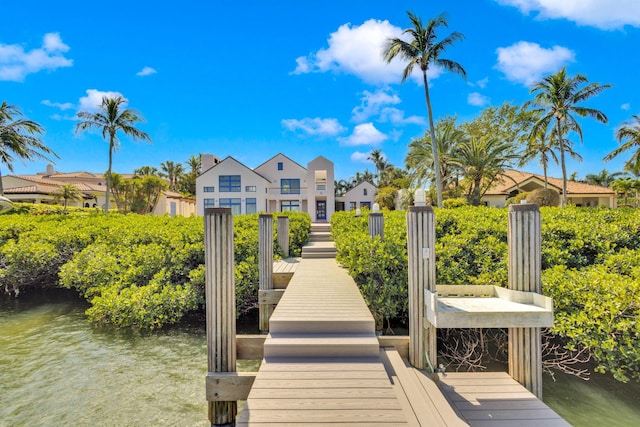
540 146
422 50
624 186
603 178
111 118
195 164
629 137
557 97
19 139
67 192
146 171
172 171
379 162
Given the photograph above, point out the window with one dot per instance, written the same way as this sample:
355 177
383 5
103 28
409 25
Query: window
365 205
250 188
229 183
290 186
364 192
352 206
250 205
279 166
209 189
235 204
290 205
209 203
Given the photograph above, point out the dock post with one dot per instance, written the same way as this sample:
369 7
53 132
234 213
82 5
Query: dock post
221 305
421 239
283 234
525 263
376 222
265 265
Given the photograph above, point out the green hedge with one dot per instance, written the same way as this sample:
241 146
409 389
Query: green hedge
135 270
590 258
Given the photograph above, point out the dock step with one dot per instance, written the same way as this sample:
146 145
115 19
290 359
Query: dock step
320 236
320 346
319 250
349 325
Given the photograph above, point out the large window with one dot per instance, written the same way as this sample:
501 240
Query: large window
209 203
289 205
251 206
290 186
229 183
234 203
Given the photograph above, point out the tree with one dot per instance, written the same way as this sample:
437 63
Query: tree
624 186
67 192
557 97
422 50
629 137
539 145
510 123
603 179
172 171
111 118
146 170
379 162
19 139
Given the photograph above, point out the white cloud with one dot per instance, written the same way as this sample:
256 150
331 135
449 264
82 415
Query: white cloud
62 106
360 157
358 50
314 126
477 99
626 106
372 103
16 63
364 134
61 117
146 71
482 83
609 14
396 117
526 62
93 100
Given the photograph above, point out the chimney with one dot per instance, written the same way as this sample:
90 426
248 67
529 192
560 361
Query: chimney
207 161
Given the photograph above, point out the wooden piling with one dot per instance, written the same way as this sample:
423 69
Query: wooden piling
421 236
525 261
376 224
221 305
283 234
265 265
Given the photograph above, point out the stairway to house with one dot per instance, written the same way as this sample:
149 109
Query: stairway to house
320 244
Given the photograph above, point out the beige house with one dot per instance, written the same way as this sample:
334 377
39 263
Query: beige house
578 193
362 195
277 185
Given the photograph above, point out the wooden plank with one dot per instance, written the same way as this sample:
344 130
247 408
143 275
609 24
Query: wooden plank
319 367
318 424
323 375
312 416
319 384
324 404
270 296
228 386
322 393
453 396
250 347
500 404
399 342
540 414
522 423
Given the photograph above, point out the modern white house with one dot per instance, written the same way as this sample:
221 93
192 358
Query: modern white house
362 195
277 185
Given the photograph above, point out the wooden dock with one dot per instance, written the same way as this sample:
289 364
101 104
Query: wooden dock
323 365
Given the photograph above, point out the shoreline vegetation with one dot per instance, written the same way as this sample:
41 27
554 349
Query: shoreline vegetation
147 272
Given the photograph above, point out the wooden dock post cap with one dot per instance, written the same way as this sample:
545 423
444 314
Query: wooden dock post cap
529 207
219 211
421 208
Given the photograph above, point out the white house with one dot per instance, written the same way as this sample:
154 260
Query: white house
362 195
277 185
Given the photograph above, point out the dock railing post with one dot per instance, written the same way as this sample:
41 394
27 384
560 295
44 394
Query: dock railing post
376 222
221 304
283 234
265 265
525 259
421 232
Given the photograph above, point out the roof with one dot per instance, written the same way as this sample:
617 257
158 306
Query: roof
229 158
505 185
280 155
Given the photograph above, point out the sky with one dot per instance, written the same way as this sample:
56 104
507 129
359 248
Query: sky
251 79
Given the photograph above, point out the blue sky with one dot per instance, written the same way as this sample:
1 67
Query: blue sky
250 79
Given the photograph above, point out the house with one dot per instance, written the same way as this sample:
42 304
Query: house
361 196
39 188
578 193
277 185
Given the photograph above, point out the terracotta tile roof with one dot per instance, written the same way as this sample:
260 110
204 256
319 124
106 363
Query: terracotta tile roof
505 185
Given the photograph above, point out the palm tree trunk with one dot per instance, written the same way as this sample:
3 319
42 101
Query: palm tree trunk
544 169
564 166
434 146
108 192
1 186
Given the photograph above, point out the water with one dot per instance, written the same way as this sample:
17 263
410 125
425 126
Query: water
57 370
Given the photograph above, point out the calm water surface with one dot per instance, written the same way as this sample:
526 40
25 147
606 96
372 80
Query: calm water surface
57 370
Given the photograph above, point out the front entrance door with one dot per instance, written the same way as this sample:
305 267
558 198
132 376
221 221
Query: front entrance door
321 210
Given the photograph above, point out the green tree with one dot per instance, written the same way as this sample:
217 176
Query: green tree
629 137
19 139
173 172
510 123
556 100
146 170
67 192
603 179
111 118
539 145
624 186
422 50
379 162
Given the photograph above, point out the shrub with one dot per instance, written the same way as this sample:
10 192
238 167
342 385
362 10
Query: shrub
544 197
457 202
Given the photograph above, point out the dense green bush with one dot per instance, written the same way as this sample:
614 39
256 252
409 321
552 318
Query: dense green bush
590 258
135 270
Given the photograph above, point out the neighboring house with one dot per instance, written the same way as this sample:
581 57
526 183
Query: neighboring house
39 188
361 196
578 193
277 185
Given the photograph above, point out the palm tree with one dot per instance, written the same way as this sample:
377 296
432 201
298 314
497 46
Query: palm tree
481 161
422 50
110 119
379 162
603 179
624 185
539 145
629 136
19 139
172 171
556 97
146 171
195 164
67 192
